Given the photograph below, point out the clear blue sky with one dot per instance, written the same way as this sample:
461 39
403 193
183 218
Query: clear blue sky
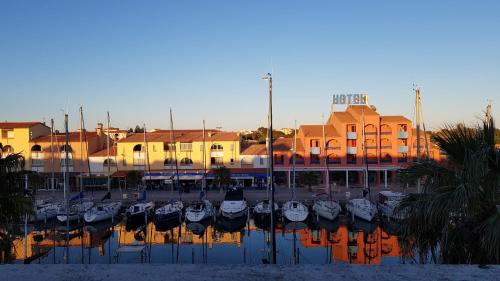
205 59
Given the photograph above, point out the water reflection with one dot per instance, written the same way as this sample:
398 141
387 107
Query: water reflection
221 242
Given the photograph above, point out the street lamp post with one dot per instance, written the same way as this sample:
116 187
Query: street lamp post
269 78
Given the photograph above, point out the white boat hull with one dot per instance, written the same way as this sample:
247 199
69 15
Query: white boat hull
95 215
295 211
362 209
327 209
197 215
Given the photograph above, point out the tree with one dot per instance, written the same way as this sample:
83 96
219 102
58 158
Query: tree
138 129
309 179
222 176
133 177
15 202
458 212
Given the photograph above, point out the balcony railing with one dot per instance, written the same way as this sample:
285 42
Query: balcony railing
402 149
402 135
386 146
352 135
385 133
352 150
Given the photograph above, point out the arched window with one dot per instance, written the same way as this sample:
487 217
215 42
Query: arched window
109 161
216 146
138 147
370 129
139 157
333 144
36 148
385 129
299 159
169 162
66 148
333 159
186 161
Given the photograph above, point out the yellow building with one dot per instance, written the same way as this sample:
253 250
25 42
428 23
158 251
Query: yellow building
15 137
154 151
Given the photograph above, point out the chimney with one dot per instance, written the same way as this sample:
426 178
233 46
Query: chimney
99 130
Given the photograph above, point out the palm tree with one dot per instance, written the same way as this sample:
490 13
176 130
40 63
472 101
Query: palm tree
15 203
456 219
309 179
222 176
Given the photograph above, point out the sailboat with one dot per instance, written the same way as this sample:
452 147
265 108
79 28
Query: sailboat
362 207
140 210
201 210
172 210
107 210
294 211
77 209
327 208
262 209
47 211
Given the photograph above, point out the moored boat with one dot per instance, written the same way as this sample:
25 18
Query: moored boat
234 204
295 211
199 210
362 208
102 212
170 211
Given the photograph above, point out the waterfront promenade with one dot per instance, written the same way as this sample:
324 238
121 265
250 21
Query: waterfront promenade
252 195
75 272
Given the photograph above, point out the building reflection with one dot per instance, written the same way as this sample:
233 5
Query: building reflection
349 243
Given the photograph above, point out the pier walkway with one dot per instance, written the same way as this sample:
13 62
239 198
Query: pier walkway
135 272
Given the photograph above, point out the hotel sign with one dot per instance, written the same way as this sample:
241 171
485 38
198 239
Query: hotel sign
350 99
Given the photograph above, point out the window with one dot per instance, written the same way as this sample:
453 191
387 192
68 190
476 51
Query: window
169 162
247 161
216 160
186 161
36 156
351 143
216 146
232 160
261 160
139 157
351 158
186 146
314 143
109 162
138 147
315 159
333 159
10 134
351 128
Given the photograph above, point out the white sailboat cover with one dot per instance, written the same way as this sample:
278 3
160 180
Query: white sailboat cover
264 207
141 208
199 211
102 212
362 208
169 208
327 209
295 211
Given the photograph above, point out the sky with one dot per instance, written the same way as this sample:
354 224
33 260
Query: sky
205 60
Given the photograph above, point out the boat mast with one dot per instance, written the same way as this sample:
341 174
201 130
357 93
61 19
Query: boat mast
417 121
172 139
269 78
52 155
294 151
365 157
107 154
66 183
204 181
147 153
325 153
81 148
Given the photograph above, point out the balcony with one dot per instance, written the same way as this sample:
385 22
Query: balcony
402 135
216 153
402 149
352 135
314 150
352 150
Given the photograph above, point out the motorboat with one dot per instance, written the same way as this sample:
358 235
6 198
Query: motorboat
170 211
76 211
295 211
362 208
199 210
140 211
234 204
102 212
328 209
387 203
263 209
47 211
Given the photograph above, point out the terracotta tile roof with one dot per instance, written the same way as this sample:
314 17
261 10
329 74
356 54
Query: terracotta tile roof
183 137
255 149
104 152
343 117
398 118
286 144
183 131
317 131
73 137
12 125
358 110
